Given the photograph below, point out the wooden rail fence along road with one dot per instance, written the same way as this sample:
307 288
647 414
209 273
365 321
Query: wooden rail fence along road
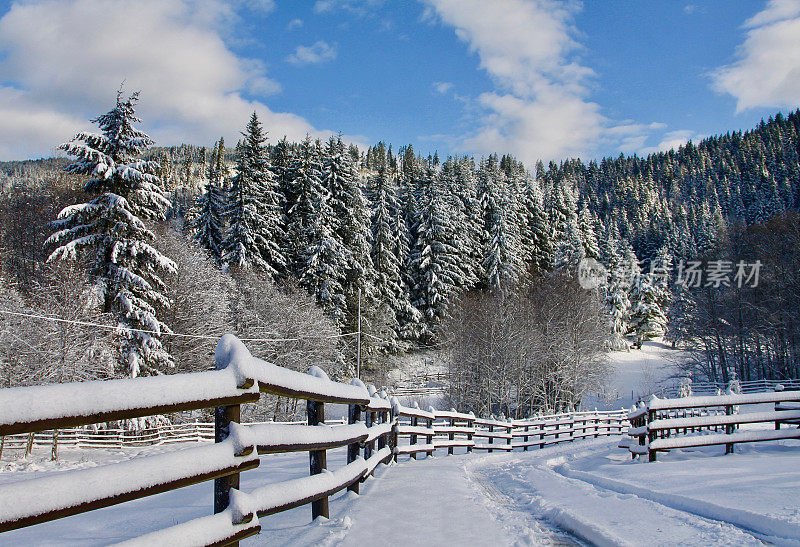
665 424
377 430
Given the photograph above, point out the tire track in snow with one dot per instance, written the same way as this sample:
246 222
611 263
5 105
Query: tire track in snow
595 514
760 527
513 515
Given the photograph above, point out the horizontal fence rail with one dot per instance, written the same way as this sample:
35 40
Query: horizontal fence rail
715 388
377 429
117 438
665 424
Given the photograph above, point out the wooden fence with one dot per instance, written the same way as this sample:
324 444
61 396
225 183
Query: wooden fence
376 431
424 431
117 438
665 424
715 388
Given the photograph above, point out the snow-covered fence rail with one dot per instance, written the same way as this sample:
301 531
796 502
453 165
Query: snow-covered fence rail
62 406
113 438
118 438
238 379
665 424
714 388
424 431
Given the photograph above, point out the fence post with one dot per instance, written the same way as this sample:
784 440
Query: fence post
510 431
491 429
223 416
650 416
525 448
429 438
318 459
383 417
451 436
394 417
369 418
778 387
413 437
729 429
353 417
469 435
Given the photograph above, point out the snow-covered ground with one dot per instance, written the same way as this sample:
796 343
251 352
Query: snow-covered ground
634 374
583 492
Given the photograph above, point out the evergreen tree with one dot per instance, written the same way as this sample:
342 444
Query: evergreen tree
501 259
108 232
647 320
255 213
304 190
351 225
434 260
323 261
389 291
208 224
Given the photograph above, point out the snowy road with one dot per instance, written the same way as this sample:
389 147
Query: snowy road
583 493
587 492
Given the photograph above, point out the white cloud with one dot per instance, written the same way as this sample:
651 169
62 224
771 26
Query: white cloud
767 70
358 7
442 87
62 62
540 107
320 52
264 6
776 10
294 24
671 140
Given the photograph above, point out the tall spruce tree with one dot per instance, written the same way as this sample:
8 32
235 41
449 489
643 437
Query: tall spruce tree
389 291
351 225
255 211
303 192
208 216
434 259
109 233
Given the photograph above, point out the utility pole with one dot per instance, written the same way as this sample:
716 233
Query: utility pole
358 343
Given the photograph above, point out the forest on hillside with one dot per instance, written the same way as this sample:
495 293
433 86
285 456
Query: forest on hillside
285 242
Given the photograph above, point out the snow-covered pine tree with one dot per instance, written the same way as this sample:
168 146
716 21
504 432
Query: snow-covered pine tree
647 320
586 227
539 254
434 259
108 232
502 263
351 225
389 291
617 302
324 261
208 222
303 190
255 211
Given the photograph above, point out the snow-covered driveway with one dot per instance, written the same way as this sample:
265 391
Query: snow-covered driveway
583 492
586 492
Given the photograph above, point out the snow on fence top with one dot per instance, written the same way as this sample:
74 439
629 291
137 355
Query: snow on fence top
281 381
371 437
664 424
722 400
36 408
72 492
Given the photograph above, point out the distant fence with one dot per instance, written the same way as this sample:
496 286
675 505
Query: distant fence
117 438
376 431
429 430
715 388
665 424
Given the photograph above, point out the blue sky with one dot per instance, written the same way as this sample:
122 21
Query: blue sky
542 79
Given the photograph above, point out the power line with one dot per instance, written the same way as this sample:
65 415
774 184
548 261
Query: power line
176 334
